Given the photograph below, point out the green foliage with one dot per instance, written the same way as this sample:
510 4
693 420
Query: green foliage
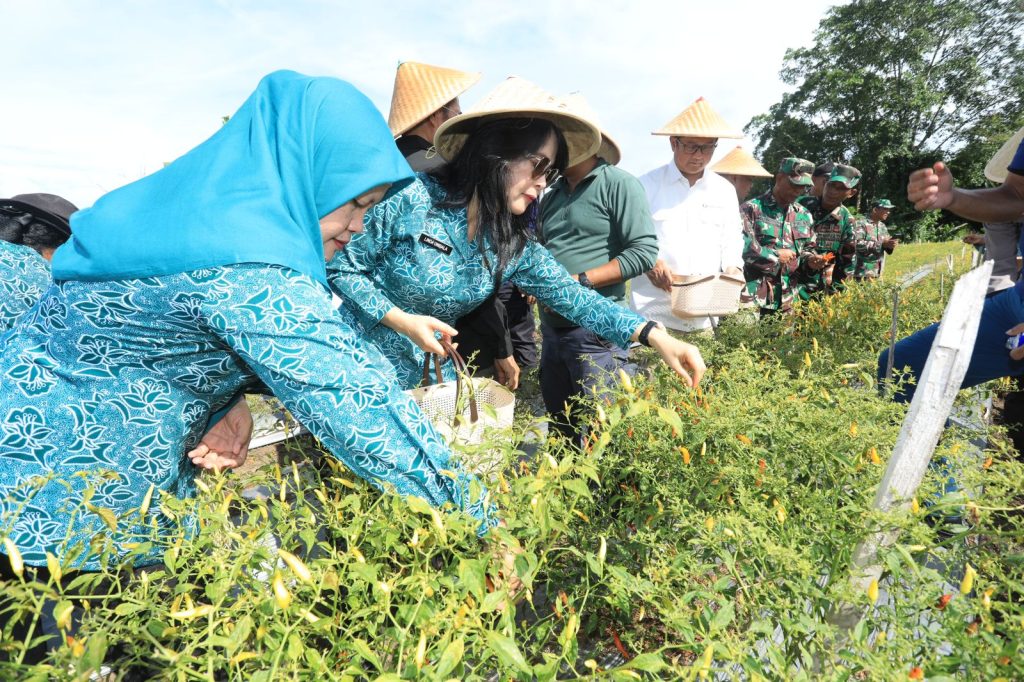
893 86
706 532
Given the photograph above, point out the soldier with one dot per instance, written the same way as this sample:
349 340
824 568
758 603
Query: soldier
820 177
873 242
834 232
741 169
778 239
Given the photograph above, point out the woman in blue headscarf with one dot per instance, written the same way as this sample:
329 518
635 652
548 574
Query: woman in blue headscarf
181 289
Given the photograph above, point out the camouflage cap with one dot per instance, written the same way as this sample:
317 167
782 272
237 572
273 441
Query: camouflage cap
882 203
824 169
848 175
798 170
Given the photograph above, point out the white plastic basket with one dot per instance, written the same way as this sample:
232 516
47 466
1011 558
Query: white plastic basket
706 295
463 411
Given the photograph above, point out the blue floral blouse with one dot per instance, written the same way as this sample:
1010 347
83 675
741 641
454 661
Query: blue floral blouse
414 253
104 386
24 276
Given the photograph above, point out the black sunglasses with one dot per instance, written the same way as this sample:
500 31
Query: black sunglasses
542 166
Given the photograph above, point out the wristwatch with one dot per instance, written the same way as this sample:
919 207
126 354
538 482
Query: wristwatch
646 332
585 281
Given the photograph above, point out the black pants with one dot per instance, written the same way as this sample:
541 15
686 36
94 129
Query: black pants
522 327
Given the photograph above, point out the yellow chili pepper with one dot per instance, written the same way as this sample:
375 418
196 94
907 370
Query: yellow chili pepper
967 584
295 563
14 556
282 597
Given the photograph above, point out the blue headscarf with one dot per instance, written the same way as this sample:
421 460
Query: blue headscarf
254 192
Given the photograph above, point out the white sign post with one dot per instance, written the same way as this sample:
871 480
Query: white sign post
936 390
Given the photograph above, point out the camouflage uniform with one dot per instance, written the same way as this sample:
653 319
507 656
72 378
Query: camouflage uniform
768 228
835 232
869 239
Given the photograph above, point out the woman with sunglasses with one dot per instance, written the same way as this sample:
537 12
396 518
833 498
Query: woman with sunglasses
440 246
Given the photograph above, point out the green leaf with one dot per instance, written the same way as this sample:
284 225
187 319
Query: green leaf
671 418
95 650
507 651
724 617
365 653
471 574
418 505
492 601
450 657
649 663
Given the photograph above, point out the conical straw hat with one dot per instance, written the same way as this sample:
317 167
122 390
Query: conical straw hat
519 98
609 150
740 162
422 89
699 120
995 169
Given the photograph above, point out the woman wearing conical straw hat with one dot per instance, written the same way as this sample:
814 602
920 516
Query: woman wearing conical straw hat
424 97
441 245
741 169
695 212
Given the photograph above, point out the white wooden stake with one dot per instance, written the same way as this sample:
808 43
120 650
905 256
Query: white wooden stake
936 390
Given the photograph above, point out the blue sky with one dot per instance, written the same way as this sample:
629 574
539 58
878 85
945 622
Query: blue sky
98 94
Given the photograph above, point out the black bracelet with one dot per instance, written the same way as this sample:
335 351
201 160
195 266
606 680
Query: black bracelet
585 281
645 332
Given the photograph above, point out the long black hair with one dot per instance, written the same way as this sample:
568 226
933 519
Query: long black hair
481 167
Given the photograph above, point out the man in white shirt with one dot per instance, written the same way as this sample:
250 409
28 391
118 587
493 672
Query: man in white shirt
695 212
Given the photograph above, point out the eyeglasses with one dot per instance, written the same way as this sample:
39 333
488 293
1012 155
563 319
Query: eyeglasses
691 148
542 166
452 111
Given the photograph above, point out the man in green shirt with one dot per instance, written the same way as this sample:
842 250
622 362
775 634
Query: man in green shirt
834 231
873 241
595 222
778 240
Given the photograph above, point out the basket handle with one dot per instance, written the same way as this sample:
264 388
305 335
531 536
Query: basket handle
460 371
696 281
733 278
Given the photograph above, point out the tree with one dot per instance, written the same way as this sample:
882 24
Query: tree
890 86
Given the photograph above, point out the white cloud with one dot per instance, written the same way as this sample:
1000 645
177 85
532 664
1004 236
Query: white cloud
101 93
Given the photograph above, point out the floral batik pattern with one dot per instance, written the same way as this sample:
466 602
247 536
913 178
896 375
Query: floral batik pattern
24 276
104 386
414 253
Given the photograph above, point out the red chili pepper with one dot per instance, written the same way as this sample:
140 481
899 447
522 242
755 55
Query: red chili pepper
943 600
618 643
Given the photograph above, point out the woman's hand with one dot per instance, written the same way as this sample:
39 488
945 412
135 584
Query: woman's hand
226 445
421 329
677 355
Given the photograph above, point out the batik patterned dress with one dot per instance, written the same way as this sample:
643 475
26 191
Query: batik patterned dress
106 385
24 276
414 254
